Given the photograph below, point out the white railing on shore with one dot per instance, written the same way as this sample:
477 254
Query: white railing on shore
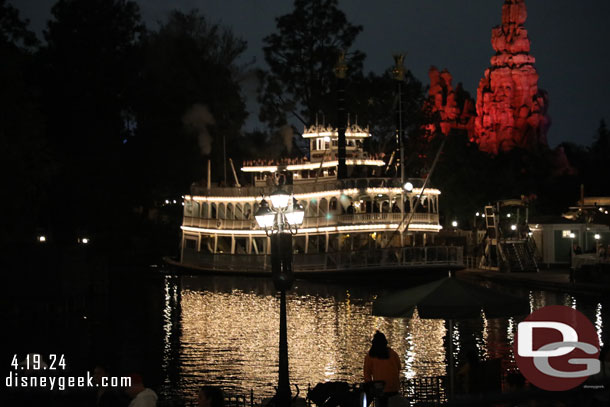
367 259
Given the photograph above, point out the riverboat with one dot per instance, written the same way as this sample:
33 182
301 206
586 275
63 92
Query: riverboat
364 223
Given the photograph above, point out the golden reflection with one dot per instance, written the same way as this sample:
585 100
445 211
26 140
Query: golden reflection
482 344
456 343
231 339
598 323
214 333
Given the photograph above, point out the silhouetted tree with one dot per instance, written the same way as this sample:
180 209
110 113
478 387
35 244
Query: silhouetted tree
189 105
26 162
373 101
90 66
301 57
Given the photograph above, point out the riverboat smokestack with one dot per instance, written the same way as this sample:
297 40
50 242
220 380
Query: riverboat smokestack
209 174
340 72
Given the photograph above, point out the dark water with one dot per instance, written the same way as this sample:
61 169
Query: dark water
225 331
183 332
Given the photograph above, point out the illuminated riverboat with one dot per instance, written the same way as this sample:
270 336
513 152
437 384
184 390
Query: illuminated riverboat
362 223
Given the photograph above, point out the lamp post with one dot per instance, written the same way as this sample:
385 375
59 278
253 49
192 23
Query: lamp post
280 222
597 236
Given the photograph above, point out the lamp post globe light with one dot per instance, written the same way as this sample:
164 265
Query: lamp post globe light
280 222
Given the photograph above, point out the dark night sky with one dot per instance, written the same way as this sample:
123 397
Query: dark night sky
570 41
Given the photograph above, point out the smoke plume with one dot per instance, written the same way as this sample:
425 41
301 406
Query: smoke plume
197 119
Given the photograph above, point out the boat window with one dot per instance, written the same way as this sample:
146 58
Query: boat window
241 245
190 244
259 245
333 243
230 214
248 211
323 208
224 245
207 244
312 245
311 209
188 208
221 211
298 245
333 204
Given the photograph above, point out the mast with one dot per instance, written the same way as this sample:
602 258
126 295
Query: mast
399 76
340 72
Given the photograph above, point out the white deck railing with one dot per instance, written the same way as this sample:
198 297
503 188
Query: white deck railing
368 259
320 221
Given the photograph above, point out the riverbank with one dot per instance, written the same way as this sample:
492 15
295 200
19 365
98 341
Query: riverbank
549 279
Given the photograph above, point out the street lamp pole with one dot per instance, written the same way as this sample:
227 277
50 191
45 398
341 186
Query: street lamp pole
280 223
281 270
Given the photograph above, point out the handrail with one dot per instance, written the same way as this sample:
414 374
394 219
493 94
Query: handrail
370 259
320 186
313 221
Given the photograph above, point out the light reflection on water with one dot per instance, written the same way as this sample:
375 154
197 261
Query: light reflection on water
225 332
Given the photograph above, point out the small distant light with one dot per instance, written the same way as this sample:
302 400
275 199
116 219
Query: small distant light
508 215
124 141
606 212
327 139
597 236
85 240
174 201
167 201
477 214
84 317
530 233
408 187
601 209
513 227
572 235
483 215
182 196
454 223
379 195
182 203
42 239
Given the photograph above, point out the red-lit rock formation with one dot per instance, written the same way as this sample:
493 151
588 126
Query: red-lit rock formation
453 108
511 110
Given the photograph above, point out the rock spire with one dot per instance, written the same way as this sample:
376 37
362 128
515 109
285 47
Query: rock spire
511 110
